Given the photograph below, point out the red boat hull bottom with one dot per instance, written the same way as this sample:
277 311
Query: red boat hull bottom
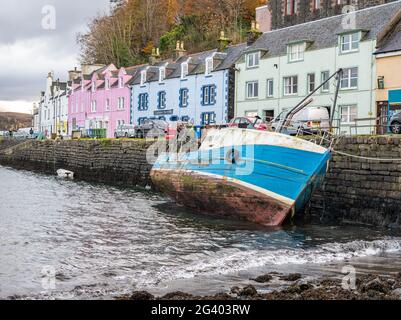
220 197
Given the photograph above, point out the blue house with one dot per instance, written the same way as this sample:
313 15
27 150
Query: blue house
196 88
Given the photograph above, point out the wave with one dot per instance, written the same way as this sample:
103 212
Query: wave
229 261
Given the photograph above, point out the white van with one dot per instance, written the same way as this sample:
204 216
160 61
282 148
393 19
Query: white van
310 119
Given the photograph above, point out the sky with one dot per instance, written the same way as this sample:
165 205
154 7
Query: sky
36 37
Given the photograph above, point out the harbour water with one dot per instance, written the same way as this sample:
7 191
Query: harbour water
74 240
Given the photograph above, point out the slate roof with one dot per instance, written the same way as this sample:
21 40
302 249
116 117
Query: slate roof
392 40
223 60
324 33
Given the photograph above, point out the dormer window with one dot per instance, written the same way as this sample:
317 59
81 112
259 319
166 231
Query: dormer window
121 82
252 60
184 70
291 7
296 52
143 77
349 42
209 66
107 84
317 4
162 74
93 86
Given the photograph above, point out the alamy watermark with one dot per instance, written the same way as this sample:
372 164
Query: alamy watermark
49 18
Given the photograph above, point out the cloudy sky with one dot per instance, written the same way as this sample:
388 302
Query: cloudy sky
30 47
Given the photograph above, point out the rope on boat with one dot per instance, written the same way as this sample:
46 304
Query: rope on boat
366 158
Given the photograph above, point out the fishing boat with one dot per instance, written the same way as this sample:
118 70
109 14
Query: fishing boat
244 174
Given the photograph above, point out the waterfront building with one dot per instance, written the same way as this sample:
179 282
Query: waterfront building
196 88
283 66
278 14
101 100
388 60
53 111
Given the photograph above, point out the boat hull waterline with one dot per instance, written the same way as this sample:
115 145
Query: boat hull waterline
233 178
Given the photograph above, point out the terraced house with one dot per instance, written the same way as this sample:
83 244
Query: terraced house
101 100
283 66
196 88
53 108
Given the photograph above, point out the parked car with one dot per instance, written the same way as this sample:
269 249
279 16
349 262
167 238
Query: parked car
395 123
125 131
172 129
308 120
249 123
152 129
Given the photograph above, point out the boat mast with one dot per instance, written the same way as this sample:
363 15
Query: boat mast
308 100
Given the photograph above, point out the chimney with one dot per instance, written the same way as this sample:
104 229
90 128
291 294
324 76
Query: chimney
253 34
154 57
179 50
223 41
264 18
74 74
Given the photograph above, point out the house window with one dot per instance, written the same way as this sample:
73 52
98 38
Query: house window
107 84
184 70
121 82
120 123
290 85
184 97
93 86
143 102
121 103
209 95
185 119
143 77
161 100
162 74
82 107
252 60
349 79
291 7
209 66
208 118
349 42
107 104
163 118
174 118
325 75
93 106
76 108
348 114
142 120
311 82
296 52
270 88
317 4
252 89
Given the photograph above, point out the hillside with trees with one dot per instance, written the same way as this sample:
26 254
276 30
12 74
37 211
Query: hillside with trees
14 121
134 27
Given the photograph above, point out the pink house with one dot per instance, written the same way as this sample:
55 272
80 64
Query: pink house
101 100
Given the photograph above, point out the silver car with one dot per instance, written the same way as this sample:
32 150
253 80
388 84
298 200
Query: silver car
395 123
125 131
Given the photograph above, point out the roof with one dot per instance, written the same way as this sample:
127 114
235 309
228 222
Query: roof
390 39
324 33
196 65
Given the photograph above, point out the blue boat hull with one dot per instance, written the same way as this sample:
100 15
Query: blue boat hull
260 183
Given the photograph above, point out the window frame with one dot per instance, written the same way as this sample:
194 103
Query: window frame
162 74
161 100
255 60
308 82
292 85
300 53
184 70
349 114
209 68
323 74
143 101
181 102
268 93
350 42
247 91
209 95
349 79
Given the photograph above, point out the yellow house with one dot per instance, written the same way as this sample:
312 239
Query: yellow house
388 66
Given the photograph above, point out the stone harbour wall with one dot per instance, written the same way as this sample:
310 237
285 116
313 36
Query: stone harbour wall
361 190
355 190
117 162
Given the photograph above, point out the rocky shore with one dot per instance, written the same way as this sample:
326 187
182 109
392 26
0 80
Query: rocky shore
368 287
